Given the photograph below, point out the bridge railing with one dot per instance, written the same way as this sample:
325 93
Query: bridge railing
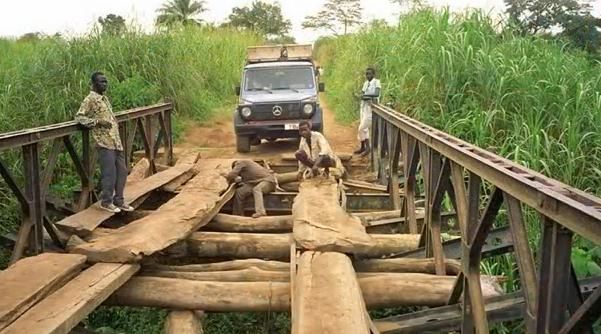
477 183
151 124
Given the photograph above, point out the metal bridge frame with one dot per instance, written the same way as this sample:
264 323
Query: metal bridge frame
38 174
478 183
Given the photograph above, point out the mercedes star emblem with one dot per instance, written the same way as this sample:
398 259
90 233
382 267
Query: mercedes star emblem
277 111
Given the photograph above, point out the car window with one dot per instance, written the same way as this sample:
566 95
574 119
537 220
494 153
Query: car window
278 79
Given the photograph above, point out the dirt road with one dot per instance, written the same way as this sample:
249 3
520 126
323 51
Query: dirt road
216 138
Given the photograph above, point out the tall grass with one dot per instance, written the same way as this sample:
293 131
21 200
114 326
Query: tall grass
533 100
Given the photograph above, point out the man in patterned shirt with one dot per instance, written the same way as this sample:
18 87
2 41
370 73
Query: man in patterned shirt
96 113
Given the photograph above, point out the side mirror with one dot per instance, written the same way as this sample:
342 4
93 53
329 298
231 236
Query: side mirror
322 87
237 90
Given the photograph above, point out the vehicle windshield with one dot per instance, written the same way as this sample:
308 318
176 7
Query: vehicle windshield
270 79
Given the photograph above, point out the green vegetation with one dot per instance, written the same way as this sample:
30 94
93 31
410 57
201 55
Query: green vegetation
535 101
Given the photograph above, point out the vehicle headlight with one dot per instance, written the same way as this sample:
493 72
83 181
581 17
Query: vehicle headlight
308 109
246 111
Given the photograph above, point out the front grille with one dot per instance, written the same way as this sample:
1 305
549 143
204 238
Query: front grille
264 112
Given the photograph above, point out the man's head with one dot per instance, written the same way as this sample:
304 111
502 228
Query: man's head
234 163
304 129
370 73
99 82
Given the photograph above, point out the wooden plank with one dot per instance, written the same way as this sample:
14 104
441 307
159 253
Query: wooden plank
64 309
321 224
84 222
31 279
183 322
231 223
200 200
327 296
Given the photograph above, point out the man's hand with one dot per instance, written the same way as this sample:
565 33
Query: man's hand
101 123
299 176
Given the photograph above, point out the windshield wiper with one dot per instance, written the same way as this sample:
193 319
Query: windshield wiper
260 90
287 88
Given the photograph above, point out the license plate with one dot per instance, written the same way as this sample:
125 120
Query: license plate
291 126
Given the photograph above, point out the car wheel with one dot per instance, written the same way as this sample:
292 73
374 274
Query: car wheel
243 144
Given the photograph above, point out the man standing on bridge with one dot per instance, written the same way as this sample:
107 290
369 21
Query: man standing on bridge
370 93
251 178
314 152
96 113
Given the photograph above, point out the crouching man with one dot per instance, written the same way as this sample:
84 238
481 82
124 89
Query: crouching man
251 179
314 153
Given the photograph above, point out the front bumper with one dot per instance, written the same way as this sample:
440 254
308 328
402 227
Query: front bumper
273 128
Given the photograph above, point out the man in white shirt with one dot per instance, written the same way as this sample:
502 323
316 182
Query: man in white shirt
314 152
370 94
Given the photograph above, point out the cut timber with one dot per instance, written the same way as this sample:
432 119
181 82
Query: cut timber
321 224
405 265
230 223
139 171
276 246
244 275
327 296
65 308
379 291
179 181
182 322
367 217
239 245
200 200
226 266
364 186
84 222
284 178
31 279
344 157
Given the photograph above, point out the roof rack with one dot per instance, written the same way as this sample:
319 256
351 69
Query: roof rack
286 52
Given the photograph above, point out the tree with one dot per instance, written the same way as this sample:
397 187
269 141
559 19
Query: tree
534 16
412 4
261 17
185 12
30 37
112 24
335 15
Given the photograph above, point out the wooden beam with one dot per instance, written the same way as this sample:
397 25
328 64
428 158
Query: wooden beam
379 291
64 309
276 246
231 223
31 279
84 222
327 296
226 266
200 200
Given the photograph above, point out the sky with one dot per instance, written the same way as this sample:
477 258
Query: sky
75 17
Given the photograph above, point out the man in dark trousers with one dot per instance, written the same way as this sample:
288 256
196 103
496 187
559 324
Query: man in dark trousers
254 179
96 113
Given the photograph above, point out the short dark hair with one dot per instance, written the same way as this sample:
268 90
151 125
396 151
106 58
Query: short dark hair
303 123
234 163
373 70
95 76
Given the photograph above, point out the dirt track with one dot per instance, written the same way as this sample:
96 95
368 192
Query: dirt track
216 139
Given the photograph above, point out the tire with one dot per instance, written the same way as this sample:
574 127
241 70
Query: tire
243 144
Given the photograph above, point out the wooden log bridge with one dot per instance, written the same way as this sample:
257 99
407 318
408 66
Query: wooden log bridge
328 252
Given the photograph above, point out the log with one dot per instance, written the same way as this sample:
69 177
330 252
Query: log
31 279
139 171
64 309
194 207
365 186
84 222
226 266
179 181
405 265
385 290
321 224
327 296
276 246
244 275
231 223
182 322
367 217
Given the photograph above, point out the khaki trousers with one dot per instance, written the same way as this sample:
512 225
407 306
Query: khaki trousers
257 190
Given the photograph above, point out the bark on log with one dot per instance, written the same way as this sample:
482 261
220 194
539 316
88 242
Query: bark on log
405 265
226 266
182 322
231 223
276 246
380 291
194 207
327 296
284 178
244 275
367 217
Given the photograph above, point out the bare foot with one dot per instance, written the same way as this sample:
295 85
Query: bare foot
257 215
